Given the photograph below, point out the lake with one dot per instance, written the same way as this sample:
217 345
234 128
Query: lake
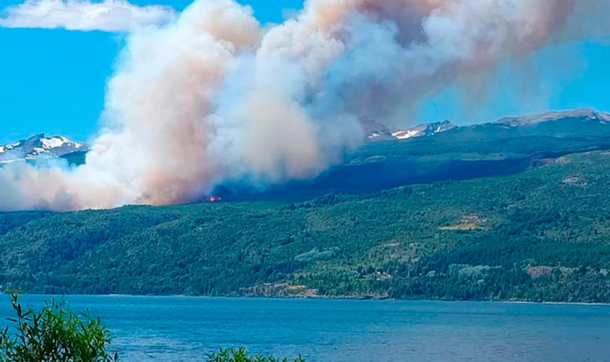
183 329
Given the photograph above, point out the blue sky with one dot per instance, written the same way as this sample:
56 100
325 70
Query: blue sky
53 81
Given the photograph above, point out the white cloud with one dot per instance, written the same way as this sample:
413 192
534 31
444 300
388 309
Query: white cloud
108 15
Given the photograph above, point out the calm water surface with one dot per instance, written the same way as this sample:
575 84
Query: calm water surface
183 329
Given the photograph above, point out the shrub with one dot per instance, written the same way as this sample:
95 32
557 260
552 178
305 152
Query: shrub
54 335
241 355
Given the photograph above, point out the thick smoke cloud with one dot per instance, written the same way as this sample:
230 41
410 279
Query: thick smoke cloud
215 96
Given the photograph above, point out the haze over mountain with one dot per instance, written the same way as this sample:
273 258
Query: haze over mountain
434 152
40 146
483 150
582 114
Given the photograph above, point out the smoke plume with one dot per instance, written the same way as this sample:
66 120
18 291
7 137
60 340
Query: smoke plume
215 96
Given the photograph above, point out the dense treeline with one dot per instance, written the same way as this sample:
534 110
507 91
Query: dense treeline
542 235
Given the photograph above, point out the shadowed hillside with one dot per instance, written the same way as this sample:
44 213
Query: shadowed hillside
506 147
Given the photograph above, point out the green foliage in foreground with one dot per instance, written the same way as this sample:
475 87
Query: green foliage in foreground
541 235
241 355
54 335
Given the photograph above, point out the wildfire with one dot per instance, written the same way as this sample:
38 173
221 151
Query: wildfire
214 199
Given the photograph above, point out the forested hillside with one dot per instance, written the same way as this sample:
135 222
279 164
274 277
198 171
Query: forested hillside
493 149
541 235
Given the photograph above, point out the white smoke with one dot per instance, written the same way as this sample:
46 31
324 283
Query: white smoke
83 15
215 96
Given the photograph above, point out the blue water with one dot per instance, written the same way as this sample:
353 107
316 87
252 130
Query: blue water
183 329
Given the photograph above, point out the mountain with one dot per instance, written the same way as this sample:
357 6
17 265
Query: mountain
582 114
39 146
377 131
492 149
424 130
434 152
508 210
540 235
576 123
374 130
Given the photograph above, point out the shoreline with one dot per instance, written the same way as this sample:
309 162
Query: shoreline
339 298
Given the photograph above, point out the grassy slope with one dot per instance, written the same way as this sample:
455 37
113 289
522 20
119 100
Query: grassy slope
540 235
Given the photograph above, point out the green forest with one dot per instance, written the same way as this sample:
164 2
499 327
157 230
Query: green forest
539 235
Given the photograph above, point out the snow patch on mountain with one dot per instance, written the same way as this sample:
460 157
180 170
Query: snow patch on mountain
424 130
378 131
39 146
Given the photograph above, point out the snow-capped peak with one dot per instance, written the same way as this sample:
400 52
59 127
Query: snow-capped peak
377 131
55 142
424 130
39 146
